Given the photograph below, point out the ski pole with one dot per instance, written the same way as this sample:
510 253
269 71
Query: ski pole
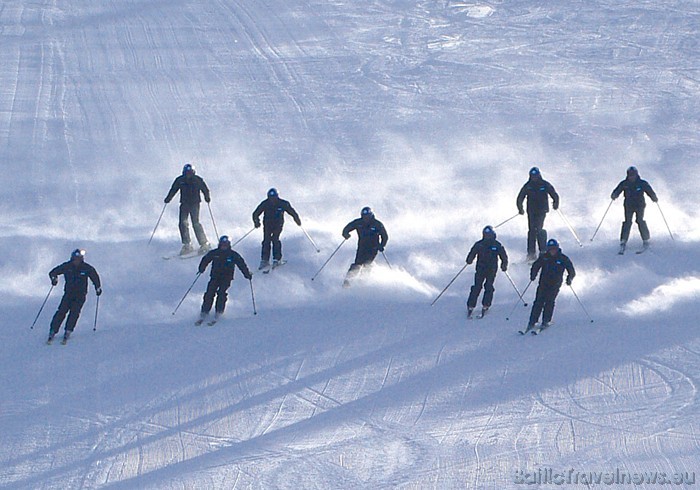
318 250
519 299
449 284
387 260
97 307
329 259
571 228
515 287
212 220
157 223
252 295
42 307
579 302
601 220
506 221
188 292
666 222
241 239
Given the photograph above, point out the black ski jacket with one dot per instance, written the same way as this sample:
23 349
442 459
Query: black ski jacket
634 192
537 191
273 209
487 251
76 277
552 267
189 186
371 233
223 264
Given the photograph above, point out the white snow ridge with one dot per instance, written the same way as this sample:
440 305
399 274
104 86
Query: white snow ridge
431 112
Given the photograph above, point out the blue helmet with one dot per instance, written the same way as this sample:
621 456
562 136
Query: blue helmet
534 171
224 240
488 230
552 243
366 211
78 253
632 171
272 192
187 169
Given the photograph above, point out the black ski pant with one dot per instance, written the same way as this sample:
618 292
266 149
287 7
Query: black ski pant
271 239
217 287
536 232
630 212
191 212
485 279
70 305
544 303
363 257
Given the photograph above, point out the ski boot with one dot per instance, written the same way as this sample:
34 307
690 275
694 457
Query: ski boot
66 336
202 317
204 248
623 246
51 336
470 311
264 264
484 310
186 249
529 328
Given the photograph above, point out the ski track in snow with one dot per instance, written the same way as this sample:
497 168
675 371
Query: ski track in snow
429 111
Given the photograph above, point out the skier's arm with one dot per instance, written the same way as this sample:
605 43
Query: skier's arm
521 198
617 191
535 269
205 190
205 262
55 272
570 271
238 260
650 192
383 237
290 210
348 228
173 190
256 214
555 197
504 258
95 278
472 254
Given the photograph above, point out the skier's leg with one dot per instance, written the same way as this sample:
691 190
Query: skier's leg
209 295
475 290
541 232
551 296
538 305
183 224
60 314
276 243
643 228
75 307
531 234
266 245
627 224
488 289
197 226
222 295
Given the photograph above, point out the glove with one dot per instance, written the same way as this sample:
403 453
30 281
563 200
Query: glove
298 222
613 196
207 199
346 236
533 277
166 200
568 280
555 206
256 223
98 291
504 267
381 248
54 280
248 276
521 211
656 199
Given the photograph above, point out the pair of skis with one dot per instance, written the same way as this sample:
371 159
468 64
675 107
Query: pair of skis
470 314
623 247
269 268
211 323
535 330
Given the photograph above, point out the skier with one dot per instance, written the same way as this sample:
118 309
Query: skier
273 209
551 266
75 273
190 186
487 251
536 189
372 238
223 261
634 189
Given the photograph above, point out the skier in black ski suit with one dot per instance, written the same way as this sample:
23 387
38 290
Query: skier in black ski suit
487 251
223 261
634 189
190 186
551 266
371 239
75 273
273 209
536 190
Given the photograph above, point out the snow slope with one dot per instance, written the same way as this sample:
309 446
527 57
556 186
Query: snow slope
431 112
